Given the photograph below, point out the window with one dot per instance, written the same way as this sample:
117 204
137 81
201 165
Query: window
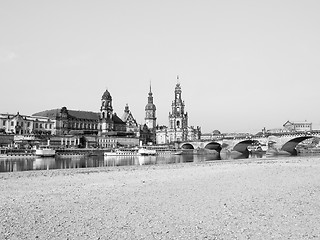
36 125
22 124
4 122
28 124
12 123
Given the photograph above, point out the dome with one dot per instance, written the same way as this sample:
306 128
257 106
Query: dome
150 106
106 95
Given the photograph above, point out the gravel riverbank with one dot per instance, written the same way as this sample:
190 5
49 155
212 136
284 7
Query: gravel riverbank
241 199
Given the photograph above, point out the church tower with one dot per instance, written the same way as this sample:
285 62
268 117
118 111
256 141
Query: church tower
178 118
106 113
150 109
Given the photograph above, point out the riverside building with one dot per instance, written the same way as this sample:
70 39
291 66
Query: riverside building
104 128
23 124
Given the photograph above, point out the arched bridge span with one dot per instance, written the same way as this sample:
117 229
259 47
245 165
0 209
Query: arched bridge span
213 145
290 146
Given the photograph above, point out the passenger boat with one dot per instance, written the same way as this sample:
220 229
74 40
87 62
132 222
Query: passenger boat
45 151
5 153
168 152
123 152
163 150
147 152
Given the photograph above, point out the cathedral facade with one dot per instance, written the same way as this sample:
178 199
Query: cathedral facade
178 118
178 129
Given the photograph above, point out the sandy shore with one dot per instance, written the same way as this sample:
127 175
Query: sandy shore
266 199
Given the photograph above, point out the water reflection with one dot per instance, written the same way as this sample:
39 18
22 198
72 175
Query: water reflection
43 163
81 161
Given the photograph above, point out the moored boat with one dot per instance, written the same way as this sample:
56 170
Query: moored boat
122 152
5 153
45 151
146 152
169 152
162 150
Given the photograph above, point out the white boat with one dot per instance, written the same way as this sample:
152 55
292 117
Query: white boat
163 150
168 152
4 153
122 152
147 152
45 151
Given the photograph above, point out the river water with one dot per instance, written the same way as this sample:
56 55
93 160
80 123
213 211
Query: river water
78 161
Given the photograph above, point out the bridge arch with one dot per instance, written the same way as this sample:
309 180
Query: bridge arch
213 146
290 146
187 146
242 146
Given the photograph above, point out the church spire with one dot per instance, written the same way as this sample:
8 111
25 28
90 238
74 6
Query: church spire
150 98
150 111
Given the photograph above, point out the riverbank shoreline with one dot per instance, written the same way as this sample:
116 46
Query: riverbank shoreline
251 198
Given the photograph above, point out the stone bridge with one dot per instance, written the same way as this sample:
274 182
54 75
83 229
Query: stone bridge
284 143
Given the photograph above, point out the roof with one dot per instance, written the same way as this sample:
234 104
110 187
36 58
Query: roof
125 116
116 119
150 106
290 123
106 95
84 115
54 113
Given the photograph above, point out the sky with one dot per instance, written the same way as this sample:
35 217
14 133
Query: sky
242 65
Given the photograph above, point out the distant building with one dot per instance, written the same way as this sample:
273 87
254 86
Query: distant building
109 129
6 140
162 135
114 131
71 121
298 126
105 122
194 133
215 135
23 124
